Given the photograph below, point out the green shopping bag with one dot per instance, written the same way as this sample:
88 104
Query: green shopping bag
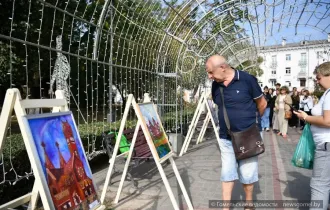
304 155
123 144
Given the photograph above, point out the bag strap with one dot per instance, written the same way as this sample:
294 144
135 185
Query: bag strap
224 109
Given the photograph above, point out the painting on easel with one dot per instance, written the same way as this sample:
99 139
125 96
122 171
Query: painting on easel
155 128
64 163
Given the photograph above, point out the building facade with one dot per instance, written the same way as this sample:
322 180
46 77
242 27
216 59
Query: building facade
293 64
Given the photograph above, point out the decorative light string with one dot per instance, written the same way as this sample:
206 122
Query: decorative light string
38 42
50 45
11 86
69 50
26 51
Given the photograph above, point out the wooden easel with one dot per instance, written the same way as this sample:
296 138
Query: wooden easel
202 103
13 101
131 101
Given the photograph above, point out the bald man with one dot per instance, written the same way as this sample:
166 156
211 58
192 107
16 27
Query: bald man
243 97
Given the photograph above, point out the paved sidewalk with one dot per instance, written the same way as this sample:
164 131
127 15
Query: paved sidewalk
200 171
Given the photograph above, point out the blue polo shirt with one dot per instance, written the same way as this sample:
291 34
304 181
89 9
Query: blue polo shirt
239 98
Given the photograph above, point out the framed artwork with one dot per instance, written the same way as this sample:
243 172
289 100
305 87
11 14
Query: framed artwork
158 136
63 161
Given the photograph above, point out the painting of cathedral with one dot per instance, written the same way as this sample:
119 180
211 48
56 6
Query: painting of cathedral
155 129
64 162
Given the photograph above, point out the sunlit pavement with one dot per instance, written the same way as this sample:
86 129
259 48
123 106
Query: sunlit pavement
200 170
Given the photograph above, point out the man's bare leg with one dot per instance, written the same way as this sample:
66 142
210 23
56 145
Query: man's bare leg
227 189
248 188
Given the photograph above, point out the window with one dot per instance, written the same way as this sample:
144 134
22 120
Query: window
273 82
303 68
303 56
274 59
302 83
273 71
288 83
319 54
288 70
288 57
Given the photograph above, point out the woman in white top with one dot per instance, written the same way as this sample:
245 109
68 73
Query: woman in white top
320 127
306 104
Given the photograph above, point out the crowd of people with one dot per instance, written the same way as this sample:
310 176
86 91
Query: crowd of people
281 102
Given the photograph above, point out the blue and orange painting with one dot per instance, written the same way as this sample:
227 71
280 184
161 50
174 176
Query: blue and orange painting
155 128
64 163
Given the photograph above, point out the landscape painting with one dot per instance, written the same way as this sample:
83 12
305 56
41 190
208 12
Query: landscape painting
63 161
155 129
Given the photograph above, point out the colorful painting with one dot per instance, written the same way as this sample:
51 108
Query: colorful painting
63 160
155 129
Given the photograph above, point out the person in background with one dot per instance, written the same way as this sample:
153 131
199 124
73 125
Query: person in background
301 96
320 128
265 117
275 121
306 103
271 106
315 99
282 104
277 87
293 122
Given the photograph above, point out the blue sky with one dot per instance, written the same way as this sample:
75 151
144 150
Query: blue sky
284 25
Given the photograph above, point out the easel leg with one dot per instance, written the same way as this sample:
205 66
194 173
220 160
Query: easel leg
127 163
114 155
201 140
192 132
107 179
5 115
167 184
34 195
201 134
183 188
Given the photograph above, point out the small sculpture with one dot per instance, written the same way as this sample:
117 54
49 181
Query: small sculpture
61 71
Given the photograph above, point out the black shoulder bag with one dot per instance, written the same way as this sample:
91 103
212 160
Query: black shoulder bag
247 143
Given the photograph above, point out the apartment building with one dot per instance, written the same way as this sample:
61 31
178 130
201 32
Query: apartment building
293 64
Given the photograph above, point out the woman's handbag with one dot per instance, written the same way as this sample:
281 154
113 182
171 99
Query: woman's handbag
288 115
247 143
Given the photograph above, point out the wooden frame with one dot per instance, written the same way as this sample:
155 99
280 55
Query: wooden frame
202 103
131 102
13 101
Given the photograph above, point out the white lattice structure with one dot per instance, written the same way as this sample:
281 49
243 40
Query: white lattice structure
112 48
